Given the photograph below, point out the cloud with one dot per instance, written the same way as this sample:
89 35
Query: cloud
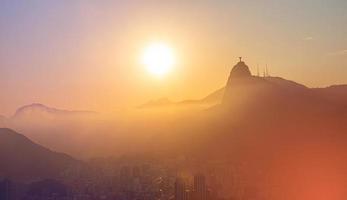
339 53
308 38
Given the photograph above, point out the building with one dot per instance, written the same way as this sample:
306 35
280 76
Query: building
200 189
6 191
180 189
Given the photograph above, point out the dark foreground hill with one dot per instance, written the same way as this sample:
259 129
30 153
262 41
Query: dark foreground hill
23 159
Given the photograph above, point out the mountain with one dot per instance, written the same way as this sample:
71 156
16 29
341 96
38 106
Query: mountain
257 92
335 93
210 100
23 159
254 114
254 93
266 95
271 132
51 126
157 103
258 110
43 111
239 72
2 121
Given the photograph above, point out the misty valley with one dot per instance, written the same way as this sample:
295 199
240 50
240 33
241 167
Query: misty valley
259 137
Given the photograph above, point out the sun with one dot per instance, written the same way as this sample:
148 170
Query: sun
158 58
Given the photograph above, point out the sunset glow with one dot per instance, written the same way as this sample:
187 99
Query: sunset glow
158 59
173 100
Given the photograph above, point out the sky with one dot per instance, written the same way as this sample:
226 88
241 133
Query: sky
85 55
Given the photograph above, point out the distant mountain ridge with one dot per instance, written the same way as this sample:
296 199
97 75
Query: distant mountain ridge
257 115
252 104
37 112
210 100
3 120
335 92
37 107
23 159
244 86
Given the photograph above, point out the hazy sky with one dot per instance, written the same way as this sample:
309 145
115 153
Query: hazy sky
86 54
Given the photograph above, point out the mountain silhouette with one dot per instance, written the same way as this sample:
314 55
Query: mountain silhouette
23 159
254 93
244 90
271 131
2 121
40 110
247 106
335 93
157 103
257 113
274 94
240 70
243 86
210 100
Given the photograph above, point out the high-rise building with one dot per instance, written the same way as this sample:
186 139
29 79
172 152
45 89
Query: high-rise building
5 189
180 189
200 191
136 171
125 178
189 194
125 172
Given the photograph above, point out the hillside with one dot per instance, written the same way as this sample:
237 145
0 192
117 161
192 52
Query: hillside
23 159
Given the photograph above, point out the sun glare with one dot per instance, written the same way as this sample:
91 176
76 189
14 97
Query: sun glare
158 59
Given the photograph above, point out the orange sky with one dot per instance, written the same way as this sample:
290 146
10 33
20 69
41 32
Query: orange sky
86 54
